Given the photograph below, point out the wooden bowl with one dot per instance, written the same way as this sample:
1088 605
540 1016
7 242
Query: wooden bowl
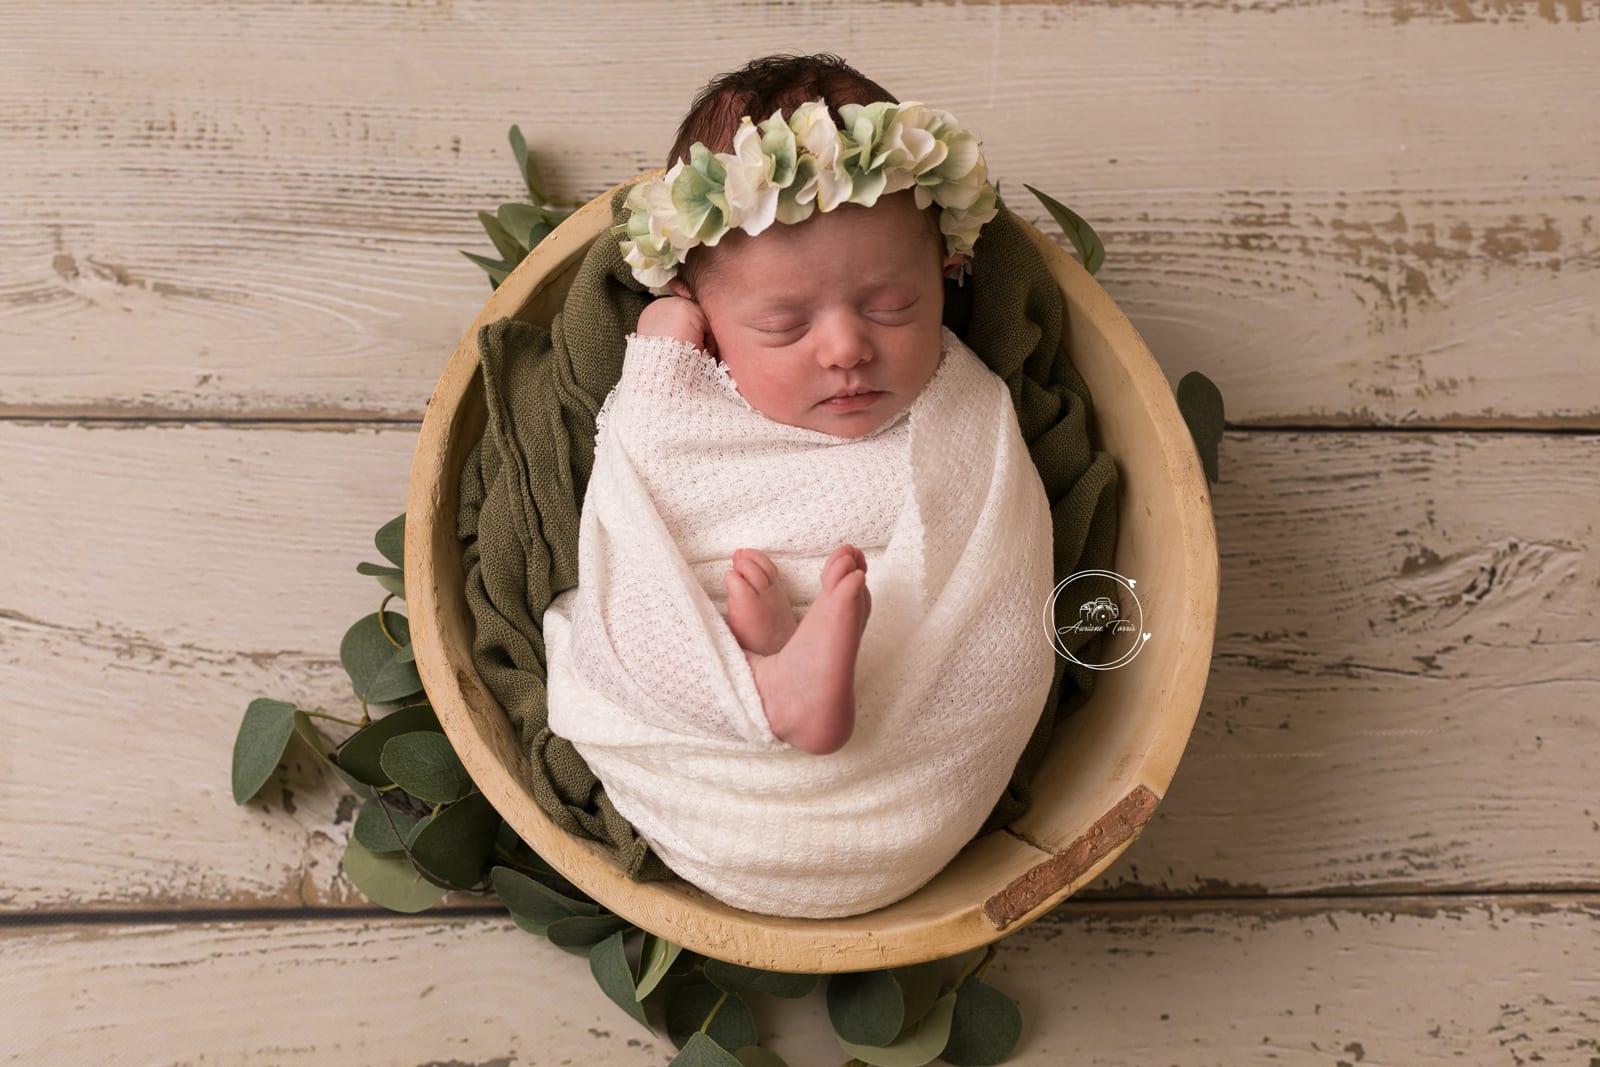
1108 764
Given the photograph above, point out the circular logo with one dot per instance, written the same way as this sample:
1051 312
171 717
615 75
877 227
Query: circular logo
1096 604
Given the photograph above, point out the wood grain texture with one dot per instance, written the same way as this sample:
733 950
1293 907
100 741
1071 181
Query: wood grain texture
1482 981
259 215
1403 698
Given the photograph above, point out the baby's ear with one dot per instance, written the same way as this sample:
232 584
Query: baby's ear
679 287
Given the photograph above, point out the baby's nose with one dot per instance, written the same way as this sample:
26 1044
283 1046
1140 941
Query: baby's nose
844 344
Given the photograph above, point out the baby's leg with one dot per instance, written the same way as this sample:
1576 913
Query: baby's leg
759 612
808 688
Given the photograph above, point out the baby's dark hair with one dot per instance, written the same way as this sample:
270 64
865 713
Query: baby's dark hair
765 85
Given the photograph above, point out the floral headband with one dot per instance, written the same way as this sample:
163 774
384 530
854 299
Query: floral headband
783 171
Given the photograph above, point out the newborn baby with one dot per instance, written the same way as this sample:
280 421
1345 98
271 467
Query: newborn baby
793 432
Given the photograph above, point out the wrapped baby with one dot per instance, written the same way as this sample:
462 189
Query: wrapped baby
805 650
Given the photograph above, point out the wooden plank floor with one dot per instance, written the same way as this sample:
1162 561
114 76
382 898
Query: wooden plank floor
229 278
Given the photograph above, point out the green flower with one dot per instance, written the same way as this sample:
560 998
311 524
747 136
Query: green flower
699 198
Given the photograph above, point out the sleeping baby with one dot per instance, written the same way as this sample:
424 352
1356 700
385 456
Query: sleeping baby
805 650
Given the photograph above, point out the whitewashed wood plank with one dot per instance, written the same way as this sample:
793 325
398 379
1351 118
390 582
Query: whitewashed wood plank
244 209
1406 638
1427 980
1403 695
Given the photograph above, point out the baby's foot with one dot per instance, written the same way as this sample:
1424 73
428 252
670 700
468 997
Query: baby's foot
808 689
759 612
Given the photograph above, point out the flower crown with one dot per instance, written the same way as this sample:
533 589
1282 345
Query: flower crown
783 171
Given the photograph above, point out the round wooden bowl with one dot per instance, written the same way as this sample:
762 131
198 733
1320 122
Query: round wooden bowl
1108 765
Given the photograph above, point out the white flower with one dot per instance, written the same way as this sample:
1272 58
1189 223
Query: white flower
752 196
816 135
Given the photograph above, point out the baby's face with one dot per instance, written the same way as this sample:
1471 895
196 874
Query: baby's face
846 302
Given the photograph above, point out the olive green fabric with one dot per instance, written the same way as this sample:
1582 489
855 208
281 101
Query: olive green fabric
523 485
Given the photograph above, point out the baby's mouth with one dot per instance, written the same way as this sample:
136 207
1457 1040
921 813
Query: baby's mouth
853 398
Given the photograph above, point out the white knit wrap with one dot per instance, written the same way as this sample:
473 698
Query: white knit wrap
650 686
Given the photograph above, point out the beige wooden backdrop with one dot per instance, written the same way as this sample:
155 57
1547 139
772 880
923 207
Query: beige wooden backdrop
229 277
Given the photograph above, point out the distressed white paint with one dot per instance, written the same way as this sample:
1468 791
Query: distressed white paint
225 209
1442 980
1353 212
1383 712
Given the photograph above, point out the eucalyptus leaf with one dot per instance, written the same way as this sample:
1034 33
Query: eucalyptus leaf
263 735
866 1007
535 902
370 658
458 841
391 540
985 1028
1200 403
361 756
655 960
690 1004
509 248
1090 248
313 739
737 979
424 764
376 826
919 986
577 933
375 569
920 1044
520 220
417 828
608 962
408 654
702 1051
525 164
389 881
538 232
393 584
497 270
756 1056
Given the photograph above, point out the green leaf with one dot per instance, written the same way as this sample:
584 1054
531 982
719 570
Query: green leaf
425 765
458 841
361 756
608 962
691 1003
919 986
509 247
370 658
263 734
535 902
391 540
497 270
525 164
376 824
1200 403
522 221
702 1051
389 881
577 933
390 578
756 1056
866 1007
1080 233
737 979
313 739
655 959
918 1045
986 1027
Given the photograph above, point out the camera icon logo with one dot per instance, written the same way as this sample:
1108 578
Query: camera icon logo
1108 632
